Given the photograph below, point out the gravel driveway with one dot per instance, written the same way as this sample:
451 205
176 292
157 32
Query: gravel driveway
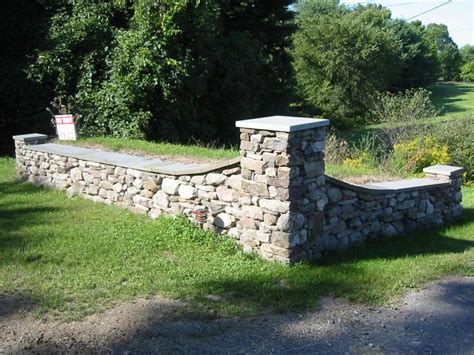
437 319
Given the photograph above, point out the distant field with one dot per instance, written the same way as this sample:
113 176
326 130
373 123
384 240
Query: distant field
457 99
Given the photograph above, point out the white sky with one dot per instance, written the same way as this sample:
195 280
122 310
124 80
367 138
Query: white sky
458 15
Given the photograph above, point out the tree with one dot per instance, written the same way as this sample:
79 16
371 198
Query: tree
467 71
342 57
22 101
150 68
448 53
467 53
420 66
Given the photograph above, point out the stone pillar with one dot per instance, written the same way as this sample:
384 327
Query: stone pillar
453 175
20 142
283 186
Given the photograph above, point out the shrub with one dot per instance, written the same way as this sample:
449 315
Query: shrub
412 156
467 72
457 136
337 149
403 115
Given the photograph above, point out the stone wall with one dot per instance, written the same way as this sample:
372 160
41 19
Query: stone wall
355 213
142 191
275 200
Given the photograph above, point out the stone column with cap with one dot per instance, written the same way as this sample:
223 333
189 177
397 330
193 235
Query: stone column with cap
283 186
453 175
21 143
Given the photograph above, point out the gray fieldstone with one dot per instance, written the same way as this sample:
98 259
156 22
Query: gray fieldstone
187 191
275 206
223 220
314 168
252 164
290 222
161 200
225 194
254 212
334 194
170 186
215 179
389 230
275 144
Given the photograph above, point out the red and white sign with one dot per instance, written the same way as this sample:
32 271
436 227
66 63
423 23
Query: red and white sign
65 127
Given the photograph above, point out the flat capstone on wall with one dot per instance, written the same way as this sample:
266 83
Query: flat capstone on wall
275 199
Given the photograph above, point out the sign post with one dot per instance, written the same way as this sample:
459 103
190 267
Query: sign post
65 127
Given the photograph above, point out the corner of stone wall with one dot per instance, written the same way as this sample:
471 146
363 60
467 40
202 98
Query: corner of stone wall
282 188
453 175
20 142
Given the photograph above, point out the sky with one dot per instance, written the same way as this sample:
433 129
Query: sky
458 15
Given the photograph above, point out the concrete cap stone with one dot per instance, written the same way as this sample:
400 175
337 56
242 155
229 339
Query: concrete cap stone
282 123
30 137
444 170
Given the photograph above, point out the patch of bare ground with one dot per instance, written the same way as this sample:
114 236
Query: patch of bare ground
437 319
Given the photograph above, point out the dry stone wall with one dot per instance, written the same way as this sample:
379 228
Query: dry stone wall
275 201
143 192
355 213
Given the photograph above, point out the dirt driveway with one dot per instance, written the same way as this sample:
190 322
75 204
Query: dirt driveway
438 319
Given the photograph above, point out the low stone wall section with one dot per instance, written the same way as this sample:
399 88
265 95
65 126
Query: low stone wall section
143 191
357 212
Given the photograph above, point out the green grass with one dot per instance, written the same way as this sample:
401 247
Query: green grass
142 146
342 171
457 99
72 257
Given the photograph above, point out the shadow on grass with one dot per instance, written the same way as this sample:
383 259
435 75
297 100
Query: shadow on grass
18 213
17 302
446 95
421 242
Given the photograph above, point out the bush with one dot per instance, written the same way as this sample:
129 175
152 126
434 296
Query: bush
467 72
457 136
412 156
403 115
337 149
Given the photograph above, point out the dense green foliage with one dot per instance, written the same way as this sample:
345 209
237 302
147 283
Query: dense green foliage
467 67
185 70
420 65
168 69
22 101
457 136
344 56
447 51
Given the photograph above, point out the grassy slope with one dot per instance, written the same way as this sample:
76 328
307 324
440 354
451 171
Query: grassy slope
72 257
455 99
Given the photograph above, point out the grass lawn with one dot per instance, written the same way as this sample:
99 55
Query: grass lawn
72 257
457 99
153 148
